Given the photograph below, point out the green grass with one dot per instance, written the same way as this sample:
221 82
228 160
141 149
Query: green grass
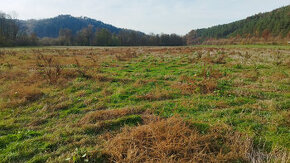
251 96
286 47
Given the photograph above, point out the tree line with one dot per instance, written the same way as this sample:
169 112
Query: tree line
8 30
275 24
12 35
103 37
261 28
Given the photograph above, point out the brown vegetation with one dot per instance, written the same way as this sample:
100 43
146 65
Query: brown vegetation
85 97
21 95
208 83
49 68
93 117
156 94
174 140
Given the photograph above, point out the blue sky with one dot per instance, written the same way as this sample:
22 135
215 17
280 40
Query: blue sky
156 16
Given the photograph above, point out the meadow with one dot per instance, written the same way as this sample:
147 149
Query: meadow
145 104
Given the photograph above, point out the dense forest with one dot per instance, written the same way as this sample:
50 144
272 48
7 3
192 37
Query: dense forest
70 31
8 30
89 36
50 27
270 25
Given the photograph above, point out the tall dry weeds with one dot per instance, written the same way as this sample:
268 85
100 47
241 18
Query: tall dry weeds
49 68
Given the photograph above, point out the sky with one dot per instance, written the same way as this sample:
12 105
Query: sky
149 16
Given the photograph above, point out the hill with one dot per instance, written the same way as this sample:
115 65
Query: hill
263 25
82 31
50 27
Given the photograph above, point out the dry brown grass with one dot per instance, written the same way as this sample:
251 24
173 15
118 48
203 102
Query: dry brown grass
143 82
103 78
207 86
209 73
204 87
221 59
186 89
208 83
20 95
186 85
174 140
139 83
93 117
157 94
278 76
213 58
81 70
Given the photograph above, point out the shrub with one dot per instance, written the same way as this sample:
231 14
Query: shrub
49 68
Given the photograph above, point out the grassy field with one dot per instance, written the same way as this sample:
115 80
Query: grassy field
257 46
198 104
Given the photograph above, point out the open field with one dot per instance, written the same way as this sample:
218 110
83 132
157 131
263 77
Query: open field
198 104
256 46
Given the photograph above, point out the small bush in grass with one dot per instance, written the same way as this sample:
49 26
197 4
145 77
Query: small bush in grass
49 68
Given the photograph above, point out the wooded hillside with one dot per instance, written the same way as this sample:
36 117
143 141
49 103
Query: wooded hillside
275 24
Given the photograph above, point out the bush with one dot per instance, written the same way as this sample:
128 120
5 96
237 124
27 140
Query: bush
49 68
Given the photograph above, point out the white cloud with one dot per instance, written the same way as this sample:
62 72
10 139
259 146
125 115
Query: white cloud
167 16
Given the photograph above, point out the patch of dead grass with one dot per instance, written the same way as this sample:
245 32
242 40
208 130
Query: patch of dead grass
21 95
93 117
174 140
156 95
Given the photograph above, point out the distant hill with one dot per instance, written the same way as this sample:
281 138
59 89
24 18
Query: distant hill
50 27
66 30
270 24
